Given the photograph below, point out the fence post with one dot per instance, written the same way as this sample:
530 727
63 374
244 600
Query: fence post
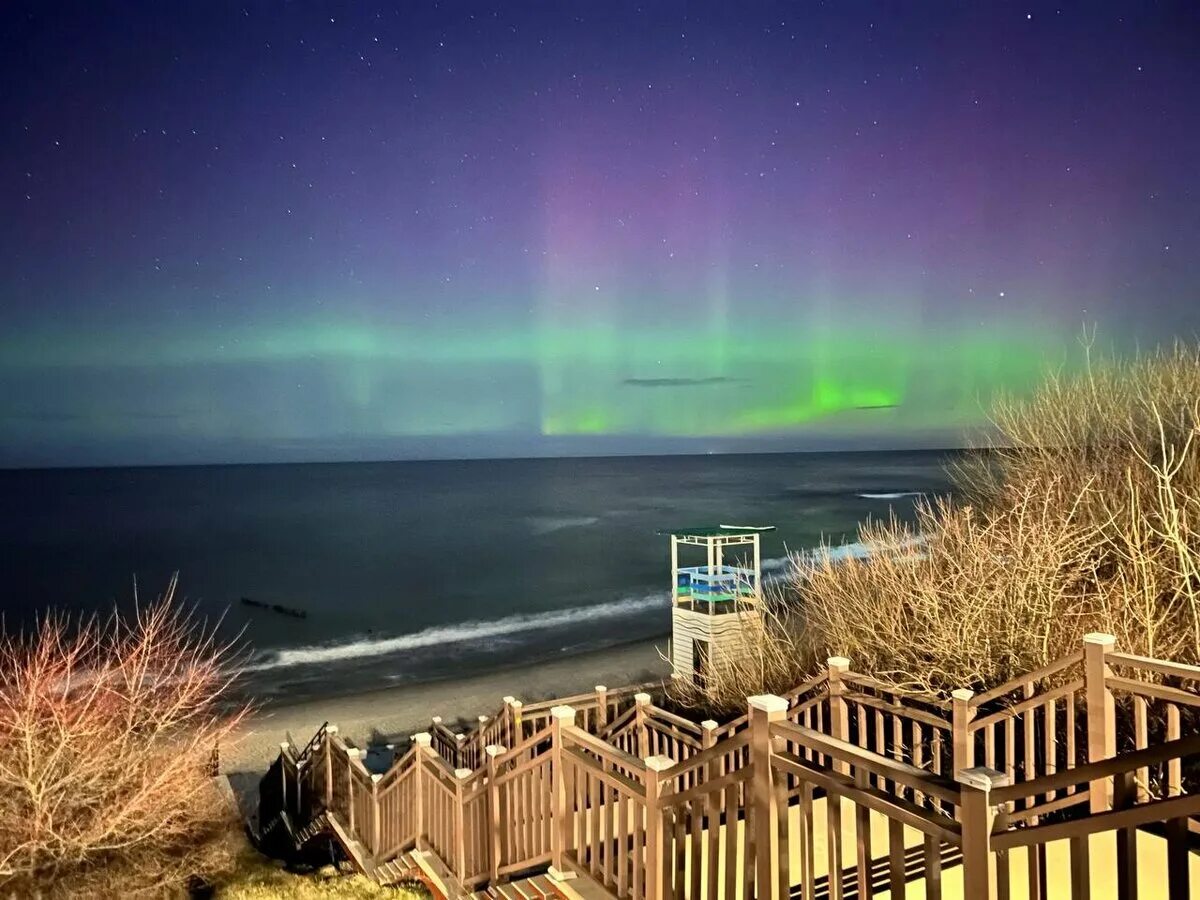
517 721
375 824
977 815
601 707
494 814
962 746
708 738
712 809
657 871
510 735
330 732
424 742
283 786
1101 714
351 755
839 715
460 831
641 701
765 709
561 717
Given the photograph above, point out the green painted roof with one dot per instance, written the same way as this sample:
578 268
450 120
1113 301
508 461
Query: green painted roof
716 530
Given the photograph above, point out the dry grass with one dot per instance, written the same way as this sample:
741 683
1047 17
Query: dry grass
1087 518
257 878
107 731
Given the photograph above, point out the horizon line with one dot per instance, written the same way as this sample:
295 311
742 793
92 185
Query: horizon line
448 459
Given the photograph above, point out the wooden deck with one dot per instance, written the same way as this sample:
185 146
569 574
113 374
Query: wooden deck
1151 855
1018 792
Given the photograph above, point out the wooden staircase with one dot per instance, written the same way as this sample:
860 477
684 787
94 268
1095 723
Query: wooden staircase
412 865
535 888
428 869
405 867
317 825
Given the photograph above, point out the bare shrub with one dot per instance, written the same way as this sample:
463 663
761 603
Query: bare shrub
107 731
1086 518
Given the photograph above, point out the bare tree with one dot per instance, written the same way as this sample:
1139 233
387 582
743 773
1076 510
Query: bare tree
108 731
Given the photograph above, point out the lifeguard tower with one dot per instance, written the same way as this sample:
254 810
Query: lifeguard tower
712 604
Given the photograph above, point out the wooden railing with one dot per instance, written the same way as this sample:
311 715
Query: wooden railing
1131 807
649 730
853 786
707 834
516 721
520 782
600 807
894 788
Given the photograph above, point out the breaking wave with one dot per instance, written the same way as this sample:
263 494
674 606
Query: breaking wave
548 524
892 496
462 632
459 632
776 564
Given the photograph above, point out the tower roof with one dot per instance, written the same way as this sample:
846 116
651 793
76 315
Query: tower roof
705 531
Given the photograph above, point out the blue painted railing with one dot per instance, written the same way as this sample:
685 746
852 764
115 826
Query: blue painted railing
722 584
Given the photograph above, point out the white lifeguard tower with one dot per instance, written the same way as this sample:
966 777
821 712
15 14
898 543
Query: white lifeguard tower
712 604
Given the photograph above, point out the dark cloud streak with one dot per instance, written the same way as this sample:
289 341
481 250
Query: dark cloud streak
681 382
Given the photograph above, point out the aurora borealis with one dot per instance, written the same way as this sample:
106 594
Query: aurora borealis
283 231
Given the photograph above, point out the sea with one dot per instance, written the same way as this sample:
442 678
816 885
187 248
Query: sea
412 571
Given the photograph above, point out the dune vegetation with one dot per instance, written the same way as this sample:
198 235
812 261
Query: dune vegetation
1082 514
108 731
256 878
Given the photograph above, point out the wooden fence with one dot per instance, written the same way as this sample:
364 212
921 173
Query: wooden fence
516 721
842 788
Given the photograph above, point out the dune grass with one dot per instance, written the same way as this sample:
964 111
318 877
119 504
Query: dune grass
256 877
1083 516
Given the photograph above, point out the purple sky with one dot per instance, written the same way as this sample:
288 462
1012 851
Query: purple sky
334 231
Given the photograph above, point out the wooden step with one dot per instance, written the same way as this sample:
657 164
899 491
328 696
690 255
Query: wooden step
437 877
536 887
543 885
402 868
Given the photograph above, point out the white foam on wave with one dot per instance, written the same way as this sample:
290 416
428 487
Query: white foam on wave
457 633
892 496
857 550
548 524
853 550
461 632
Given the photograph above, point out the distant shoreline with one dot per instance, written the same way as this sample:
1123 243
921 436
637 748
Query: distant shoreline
387 714
22 467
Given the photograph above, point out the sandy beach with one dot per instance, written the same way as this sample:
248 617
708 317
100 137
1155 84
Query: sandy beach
380 716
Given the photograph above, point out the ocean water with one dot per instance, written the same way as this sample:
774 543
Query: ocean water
410 571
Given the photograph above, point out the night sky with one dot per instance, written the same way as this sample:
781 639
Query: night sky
300 231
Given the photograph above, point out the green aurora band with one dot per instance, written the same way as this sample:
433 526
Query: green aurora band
588 380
